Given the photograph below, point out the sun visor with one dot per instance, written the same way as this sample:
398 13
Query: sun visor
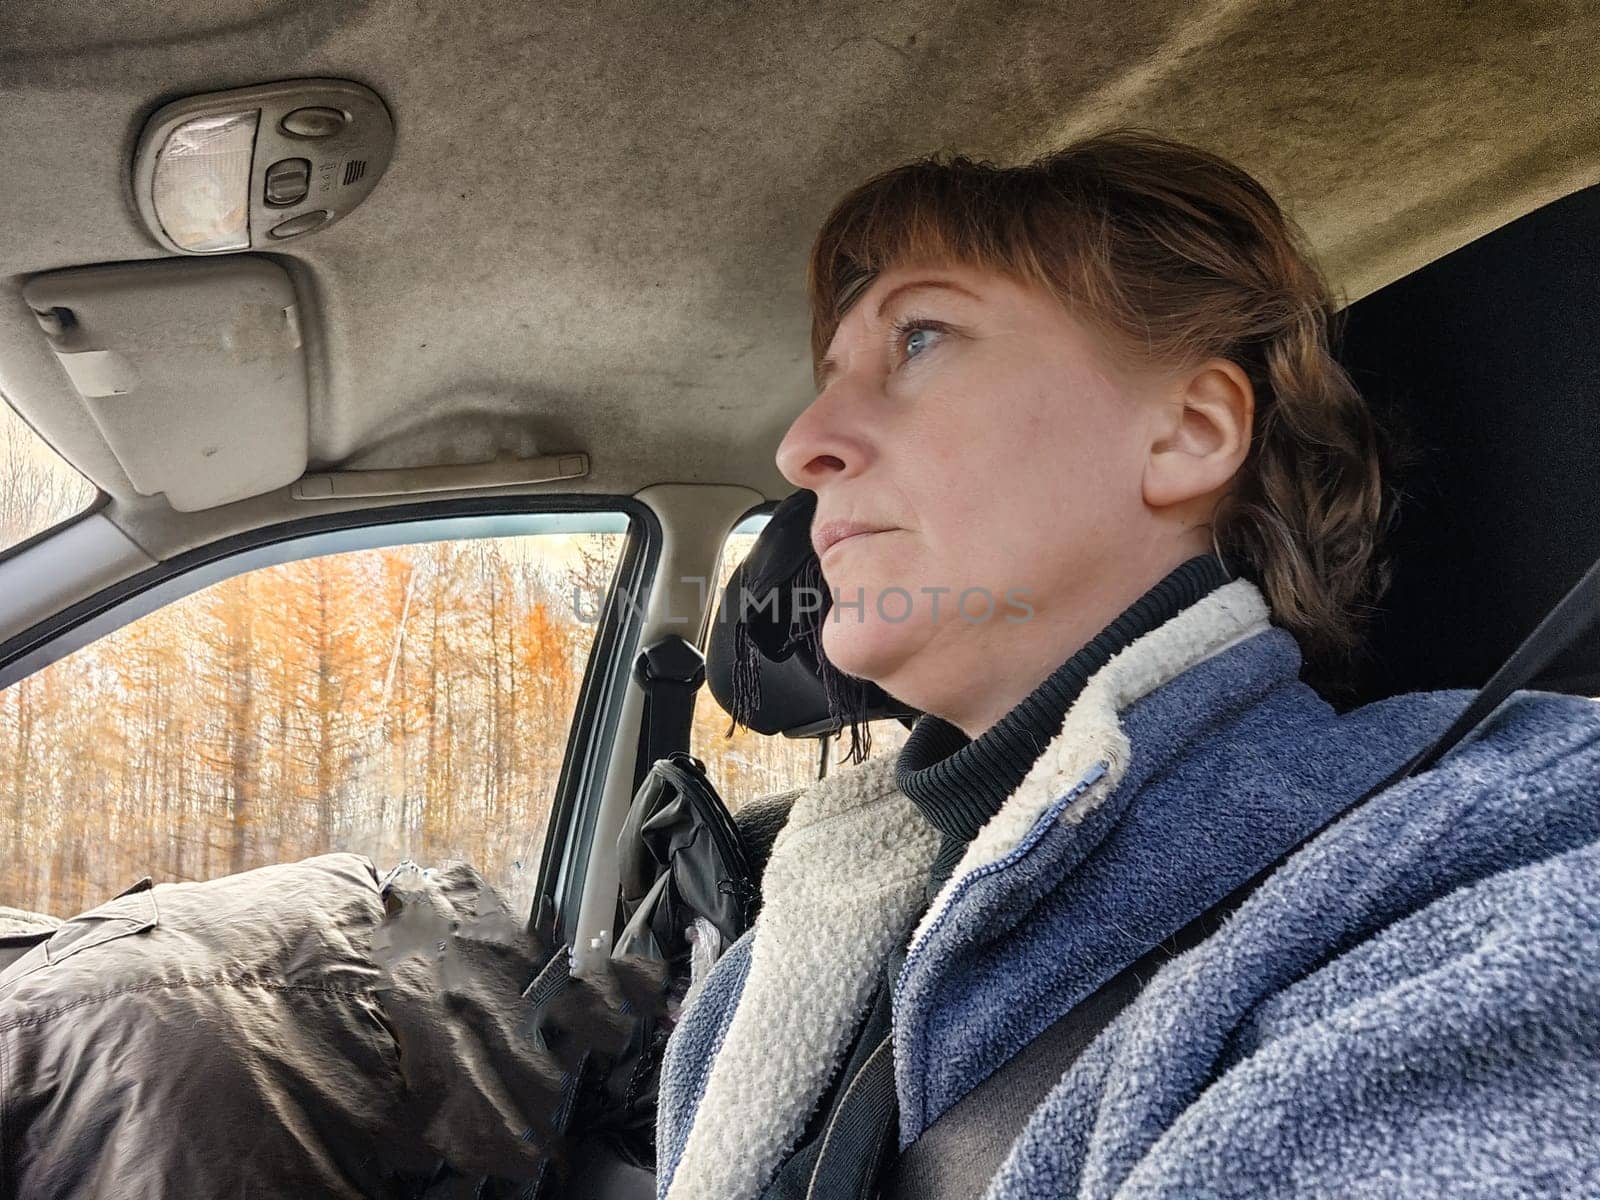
194 371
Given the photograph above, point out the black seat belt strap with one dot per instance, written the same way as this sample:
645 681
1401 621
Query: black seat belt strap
670 671
1563 625
958 1154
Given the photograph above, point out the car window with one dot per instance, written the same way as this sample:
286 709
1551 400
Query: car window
37 487
745 765
404 702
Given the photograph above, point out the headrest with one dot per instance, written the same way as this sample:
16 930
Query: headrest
764 660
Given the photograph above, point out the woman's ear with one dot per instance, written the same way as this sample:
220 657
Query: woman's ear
1202 434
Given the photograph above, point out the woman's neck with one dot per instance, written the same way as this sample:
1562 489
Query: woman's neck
959 783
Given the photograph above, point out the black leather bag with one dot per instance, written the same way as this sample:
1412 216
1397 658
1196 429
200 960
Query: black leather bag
680 856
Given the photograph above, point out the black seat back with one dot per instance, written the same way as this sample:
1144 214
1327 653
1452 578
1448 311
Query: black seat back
1488 361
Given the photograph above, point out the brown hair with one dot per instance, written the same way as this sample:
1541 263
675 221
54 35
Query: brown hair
1175 255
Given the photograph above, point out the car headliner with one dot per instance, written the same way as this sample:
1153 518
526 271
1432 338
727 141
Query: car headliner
593 232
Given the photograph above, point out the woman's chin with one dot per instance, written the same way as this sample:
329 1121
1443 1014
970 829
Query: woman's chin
871 651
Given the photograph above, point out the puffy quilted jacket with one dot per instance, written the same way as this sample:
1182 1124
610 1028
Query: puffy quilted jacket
299 1030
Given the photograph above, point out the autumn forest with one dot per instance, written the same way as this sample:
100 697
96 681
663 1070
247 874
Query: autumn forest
411 701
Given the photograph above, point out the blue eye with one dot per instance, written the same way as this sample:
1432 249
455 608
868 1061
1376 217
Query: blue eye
914 339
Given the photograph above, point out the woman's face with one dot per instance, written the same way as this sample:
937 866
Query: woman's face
980 469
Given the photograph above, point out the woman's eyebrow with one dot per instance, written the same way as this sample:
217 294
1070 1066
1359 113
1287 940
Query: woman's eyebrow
828 365
912 285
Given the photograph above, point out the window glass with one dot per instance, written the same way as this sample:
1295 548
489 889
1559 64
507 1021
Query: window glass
412 701
746 765
37 488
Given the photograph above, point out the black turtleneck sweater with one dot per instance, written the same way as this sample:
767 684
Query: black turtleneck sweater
958 783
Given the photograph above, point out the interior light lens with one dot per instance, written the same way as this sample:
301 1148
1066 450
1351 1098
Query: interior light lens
202 182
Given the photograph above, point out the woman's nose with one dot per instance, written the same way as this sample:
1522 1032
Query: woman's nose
824 442
816 450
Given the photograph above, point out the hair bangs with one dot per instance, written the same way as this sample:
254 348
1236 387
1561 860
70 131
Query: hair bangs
928 212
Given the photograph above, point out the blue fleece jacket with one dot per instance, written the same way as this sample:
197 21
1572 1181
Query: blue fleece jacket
1409 1008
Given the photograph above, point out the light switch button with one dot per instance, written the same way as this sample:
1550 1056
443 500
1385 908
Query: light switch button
304 223
288 181
314 122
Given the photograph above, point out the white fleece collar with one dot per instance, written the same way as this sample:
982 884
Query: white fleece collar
846 880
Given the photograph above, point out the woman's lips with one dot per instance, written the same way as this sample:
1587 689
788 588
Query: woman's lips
826 536
854 537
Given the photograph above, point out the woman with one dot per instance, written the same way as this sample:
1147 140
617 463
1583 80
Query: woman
1090 491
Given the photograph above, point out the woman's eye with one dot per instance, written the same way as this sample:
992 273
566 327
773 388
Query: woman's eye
917 338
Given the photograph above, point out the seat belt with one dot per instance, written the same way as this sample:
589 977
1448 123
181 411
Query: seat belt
670 670
956 1157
